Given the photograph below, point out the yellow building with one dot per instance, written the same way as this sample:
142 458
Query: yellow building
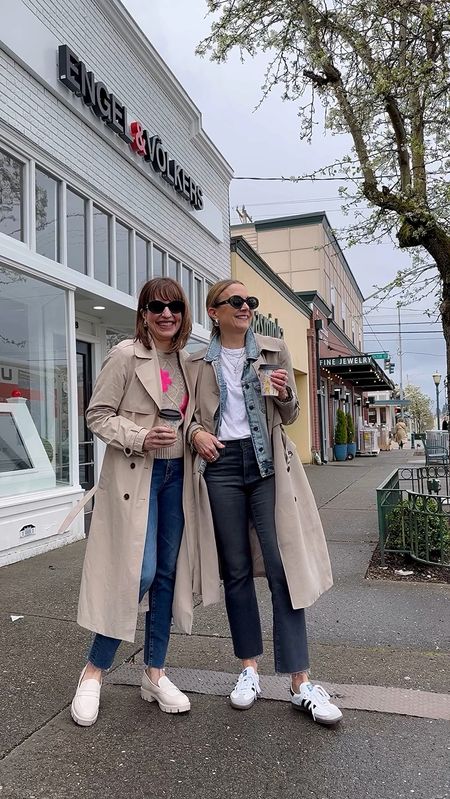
280 312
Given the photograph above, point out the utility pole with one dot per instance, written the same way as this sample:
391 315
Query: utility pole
400 355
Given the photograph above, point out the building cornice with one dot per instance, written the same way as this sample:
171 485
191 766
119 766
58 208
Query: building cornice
241 247
135 38
316 299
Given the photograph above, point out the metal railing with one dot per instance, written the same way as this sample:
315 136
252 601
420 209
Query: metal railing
413 507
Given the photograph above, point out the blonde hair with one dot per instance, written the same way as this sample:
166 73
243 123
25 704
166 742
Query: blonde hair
214 294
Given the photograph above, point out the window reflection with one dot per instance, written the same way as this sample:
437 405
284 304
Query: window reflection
101 225
141 263
33 357
11 196
76 231
46 200
198 301
186 282
123 257
173 268
158 261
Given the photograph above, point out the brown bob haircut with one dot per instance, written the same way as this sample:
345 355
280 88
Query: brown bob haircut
214 294
166 289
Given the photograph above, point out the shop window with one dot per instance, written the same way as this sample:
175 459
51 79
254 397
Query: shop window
47 215
11 196
114 337
186 282
172 269
76 231
101 233
158 262
123 257
34 407
142 269
198 301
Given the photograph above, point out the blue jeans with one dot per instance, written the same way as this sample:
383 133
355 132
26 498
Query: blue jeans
237 492
162 543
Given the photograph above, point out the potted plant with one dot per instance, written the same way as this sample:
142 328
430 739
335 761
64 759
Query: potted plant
351 443
340 436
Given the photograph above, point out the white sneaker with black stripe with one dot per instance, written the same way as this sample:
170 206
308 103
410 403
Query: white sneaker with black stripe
313 699
246 689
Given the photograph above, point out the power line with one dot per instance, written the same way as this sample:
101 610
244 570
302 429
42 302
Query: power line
383 324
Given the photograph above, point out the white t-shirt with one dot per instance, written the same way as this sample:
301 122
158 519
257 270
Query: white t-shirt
234 425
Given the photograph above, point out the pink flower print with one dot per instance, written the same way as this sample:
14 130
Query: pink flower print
166 380
184 403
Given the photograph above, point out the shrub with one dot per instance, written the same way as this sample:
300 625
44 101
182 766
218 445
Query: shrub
340 431
414 522
350 429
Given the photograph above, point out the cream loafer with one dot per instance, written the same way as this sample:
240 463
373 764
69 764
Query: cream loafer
85 704
169 697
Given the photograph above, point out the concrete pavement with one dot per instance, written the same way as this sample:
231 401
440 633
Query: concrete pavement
363 632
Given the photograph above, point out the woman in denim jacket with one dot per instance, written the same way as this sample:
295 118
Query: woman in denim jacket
253 478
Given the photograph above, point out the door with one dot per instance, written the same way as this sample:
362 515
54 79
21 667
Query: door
85 437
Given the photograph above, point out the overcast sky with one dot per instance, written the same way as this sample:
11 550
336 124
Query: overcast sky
266 143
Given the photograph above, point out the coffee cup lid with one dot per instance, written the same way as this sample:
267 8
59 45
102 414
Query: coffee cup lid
169 413
269 366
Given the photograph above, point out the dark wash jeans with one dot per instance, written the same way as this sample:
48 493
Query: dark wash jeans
237 492
164 531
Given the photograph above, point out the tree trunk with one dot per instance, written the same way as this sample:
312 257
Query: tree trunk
437 243
445 314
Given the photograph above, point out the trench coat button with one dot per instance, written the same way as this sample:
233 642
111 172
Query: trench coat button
260 449
126 496
132 465
295 499
256 429
246 385
289 468
251 407
127 451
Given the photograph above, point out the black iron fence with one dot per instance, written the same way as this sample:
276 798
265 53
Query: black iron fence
414 513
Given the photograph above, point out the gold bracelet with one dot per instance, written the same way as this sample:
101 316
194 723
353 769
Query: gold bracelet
199 430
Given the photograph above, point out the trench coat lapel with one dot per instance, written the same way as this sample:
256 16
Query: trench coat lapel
147 371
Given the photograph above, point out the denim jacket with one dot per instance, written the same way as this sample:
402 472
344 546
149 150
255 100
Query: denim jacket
255 403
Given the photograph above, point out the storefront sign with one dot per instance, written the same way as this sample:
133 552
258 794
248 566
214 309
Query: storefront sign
357 360
266 326
74 74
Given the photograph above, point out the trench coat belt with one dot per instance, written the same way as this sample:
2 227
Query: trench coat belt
65 524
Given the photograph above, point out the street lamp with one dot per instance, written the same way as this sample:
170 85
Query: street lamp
437 380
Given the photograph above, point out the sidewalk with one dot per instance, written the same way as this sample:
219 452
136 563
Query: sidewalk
365 636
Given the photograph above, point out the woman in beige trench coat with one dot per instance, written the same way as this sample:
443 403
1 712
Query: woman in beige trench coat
136 535
248 471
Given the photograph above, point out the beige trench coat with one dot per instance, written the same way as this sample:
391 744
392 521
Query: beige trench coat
123 407
300 534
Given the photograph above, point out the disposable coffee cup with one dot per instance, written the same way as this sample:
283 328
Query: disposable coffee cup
170 418
265 372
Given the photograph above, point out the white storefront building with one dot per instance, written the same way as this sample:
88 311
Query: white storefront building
106 179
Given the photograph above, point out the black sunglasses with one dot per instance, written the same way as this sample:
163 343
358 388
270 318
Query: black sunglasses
237 302
158 306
